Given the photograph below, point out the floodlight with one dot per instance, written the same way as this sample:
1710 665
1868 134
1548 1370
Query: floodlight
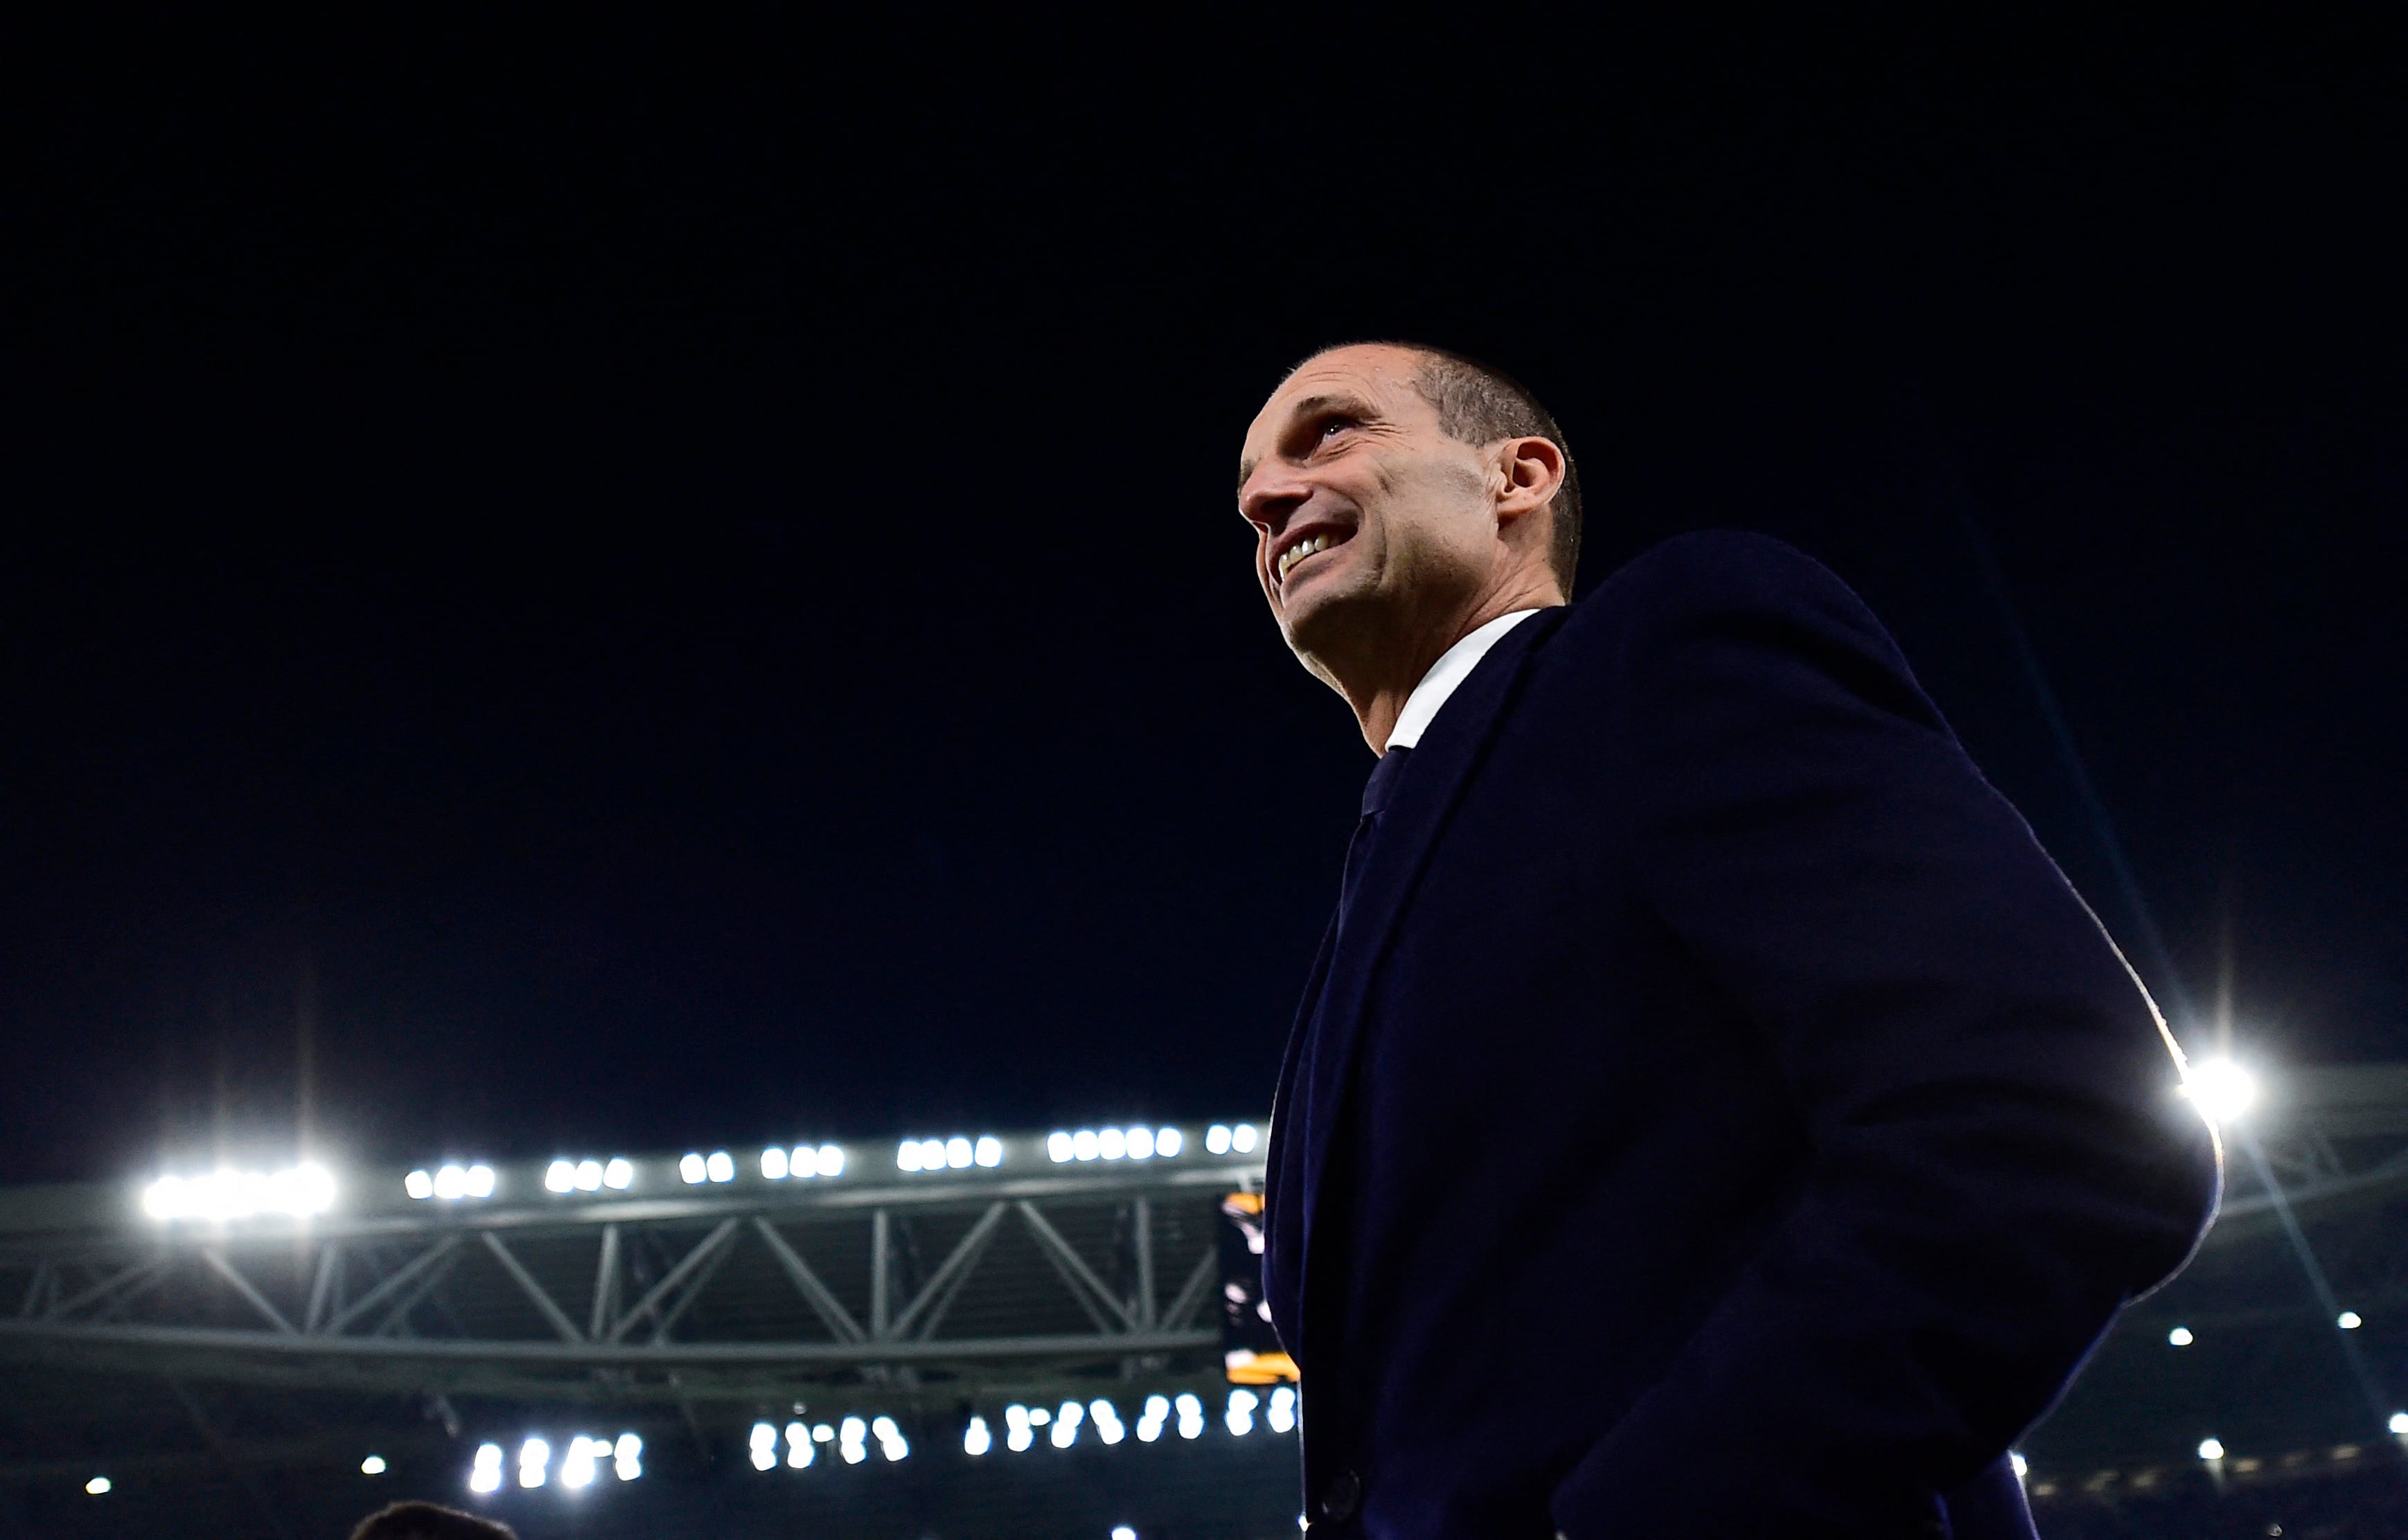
2399 1423
959 1152
1065 1424
372 1465
1111 1143
589 1177
2348 1320
1217 1139
1167 1142
1107 1418
773 1164
1018 1433
560 1176
577 1466
533 1455
891 1441
620 1174
98 1485
2211 1448
932 1153
2181 1337
1057 1147
765 1459
450 1183
907 1154
1122 1532
849 1437
1191 1415
802 1163
2221 1089
1241 1138
822 1435
485 1475
720 1167
1140 1144
1084 1144
989 1151
693 1168
480 1183
1282 1413
419 1184
976 1440
1040 1416
831 1160
628 1447
799 1452
1241 1415
2022 1466
765 1435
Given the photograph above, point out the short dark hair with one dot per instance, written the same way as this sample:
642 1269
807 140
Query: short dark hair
1478 403
427 1521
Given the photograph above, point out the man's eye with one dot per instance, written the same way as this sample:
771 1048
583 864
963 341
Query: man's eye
1335 426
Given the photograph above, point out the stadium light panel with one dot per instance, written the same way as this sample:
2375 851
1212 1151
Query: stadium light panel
372 1465
485 1474
891 1441
831 1160
959 1152
1217 1139
1122 1532
297 1192
800 1449
450 1183
480 1182
2181 1336
1281 1414
1240 1414
849 1434
1107 1418
822 1435
1058 1147
619 1175
2348 1320
2221 1089
589 1177
1111 1143
1084 1145
419 1184
976 1439
1039 1416
693 1169
907 1154
627 1456
577 1465
2399 1423
1242 1138
989 1151
774 1164
932 1155
98 1485
535 1455
1065 1424
2211 1449
720 1167
1140 1144
1191 1415
1167 1142
560 1176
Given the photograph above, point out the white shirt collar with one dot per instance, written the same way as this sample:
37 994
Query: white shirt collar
1451 669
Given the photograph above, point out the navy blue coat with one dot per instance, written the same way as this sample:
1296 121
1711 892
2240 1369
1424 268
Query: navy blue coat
1718 1115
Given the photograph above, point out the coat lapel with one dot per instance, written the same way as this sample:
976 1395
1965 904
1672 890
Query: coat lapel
1433 783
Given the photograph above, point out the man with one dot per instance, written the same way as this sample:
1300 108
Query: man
427 1521
1711 1113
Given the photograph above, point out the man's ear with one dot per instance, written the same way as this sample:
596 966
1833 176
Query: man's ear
1532 472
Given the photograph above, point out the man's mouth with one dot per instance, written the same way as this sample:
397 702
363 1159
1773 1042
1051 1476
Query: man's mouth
1309 545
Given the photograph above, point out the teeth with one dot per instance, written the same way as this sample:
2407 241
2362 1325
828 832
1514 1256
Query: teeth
1301 550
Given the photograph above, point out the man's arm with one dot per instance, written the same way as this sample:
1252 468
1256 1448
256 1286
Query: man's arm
2001 1156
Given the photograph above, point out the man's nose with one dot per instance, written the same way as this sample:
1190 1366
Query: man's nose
1269 500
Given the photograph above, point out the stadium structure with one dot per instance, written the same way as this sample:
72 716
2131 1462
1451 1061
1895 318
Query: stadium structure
988 1335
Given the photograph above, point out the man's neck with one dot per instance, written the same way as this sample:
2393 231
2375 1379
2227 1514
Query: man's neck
1382 701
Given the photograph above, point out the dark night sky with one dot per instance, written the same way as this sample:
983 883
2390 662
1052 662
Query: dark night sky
690 582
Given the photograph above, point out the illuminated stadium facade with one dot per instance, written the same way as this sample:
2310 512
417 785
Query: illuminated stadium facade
972 1334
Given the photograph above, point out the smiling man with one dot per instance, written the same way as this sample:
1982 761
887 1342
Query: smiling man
1711 1113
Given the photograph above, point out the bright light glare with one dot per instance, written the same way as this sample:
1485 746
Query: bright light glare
97 1486
419 1184
299 1191
989 1151
958 1152
1065 1424
692 1168
589 1175
2348 1320
1107 1418
533 1455
1018 1434
1282 1414
720 1167
577 1466
2211 1448
1122 1532
372 1465
1191 1416
480 1182
2180 1336
889 1439
773 1164
1140 1144
627 1456
831 1160
932 1153
560 1176
1243 1137
1111 1143
1083 1146
2400 1423
1241 1415
907 1154
486 1475
2023 1466
799 1452
1167 1142
620 1174
1217 1139
764 1446
850 1434
1057 1147
977 1439
2221 1089
1150 1420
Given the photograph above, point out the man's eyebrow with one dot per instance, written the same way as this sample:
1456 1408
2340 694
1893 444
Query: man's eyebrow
1306 408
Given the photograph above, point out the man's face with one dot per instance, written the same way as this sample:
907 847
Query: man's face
1369 522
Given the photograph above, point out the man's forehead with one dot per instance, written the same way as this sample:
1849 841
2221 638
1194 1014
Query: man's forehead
1371 375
